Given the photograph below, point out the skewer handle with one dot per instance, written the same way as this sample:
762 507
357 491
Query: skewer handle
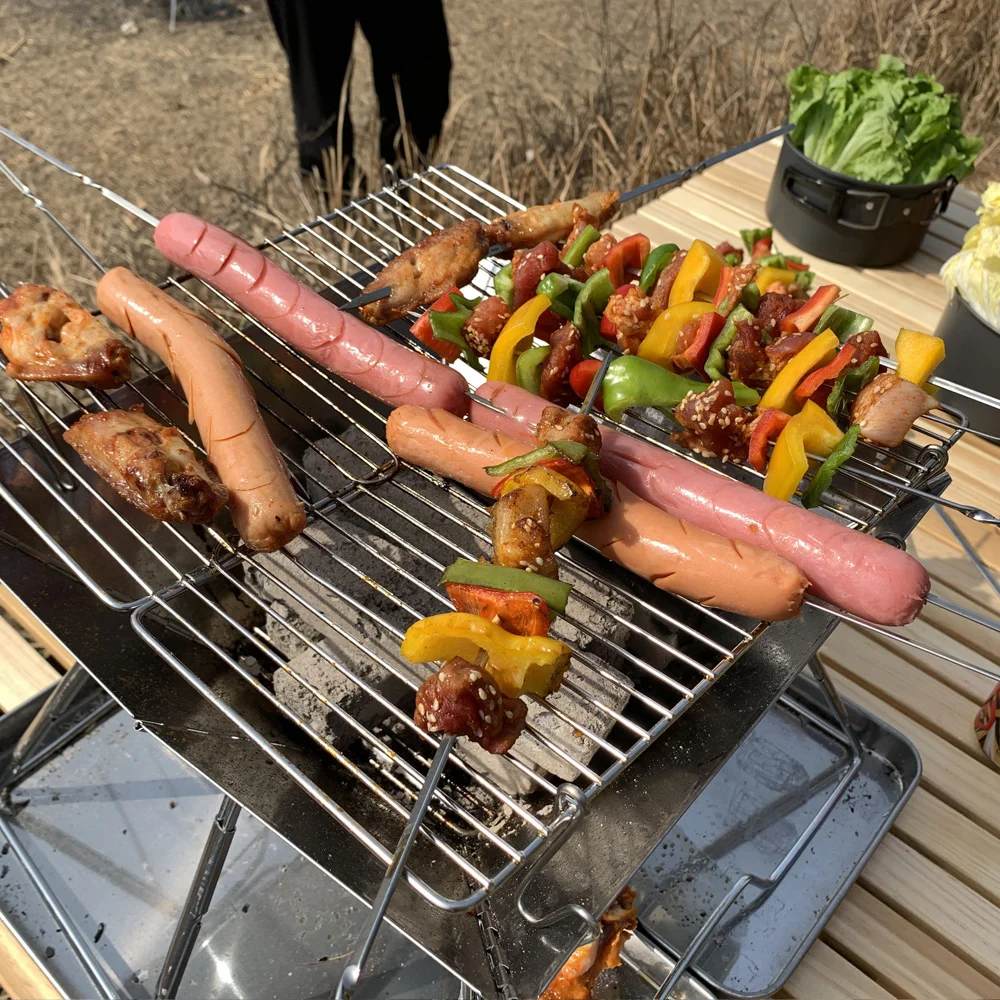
366 939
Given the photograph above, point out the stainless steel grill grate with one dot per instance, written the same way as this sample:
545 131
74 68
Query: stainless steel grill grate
315 629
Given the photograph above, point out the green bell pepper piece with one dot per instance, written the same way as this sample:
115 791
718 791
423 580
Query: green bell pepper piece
750 297
590 304
823 476
503 284
477 574
715 363
844 323
572 256
851 380
777 260
447 326
562 290
750 237
632 381
657 260
804 279
528 368
572 450
732 259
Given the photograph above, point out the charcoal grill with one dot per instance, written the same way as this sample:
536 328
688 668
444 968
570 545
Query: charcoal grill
246 644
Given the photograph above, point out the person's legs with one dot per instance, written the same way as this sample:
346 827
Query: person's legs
317 36
410 43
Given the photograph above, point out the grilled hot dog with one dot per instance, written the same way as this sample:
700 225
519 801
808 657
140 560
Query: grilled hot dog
337 340
220 401
848 568
673 555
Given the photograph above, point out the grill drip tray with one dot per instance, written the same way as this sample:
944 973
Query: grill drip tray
117 823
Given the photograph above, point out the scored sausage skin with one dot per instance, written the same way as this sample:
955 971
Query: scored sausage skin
263 504
848 568
334 339
675 556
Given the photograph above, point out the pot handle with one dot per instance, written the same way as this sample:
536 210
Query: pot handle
793 177
950 184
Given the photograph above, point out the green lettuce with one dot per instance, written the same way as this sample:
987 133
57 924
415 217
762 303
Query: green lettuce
880 125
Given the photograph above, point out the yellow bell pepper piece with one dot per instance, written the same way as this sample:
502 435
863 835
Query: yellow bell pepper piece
811 430
568 508
767 276
699 274
660 344
780 393
917 355
515 338
520 664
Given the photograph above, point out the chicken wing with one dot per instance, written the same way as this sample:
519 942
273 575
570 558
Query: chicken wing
47 337
521 230
149 465
427 270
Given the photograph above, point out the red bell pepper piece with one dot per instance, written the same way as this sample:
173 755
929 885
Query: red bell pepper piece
807 388
795 265
762 248
609 329
804 318
425 334
725 280
769 424
518 611
631 253
696 353
582 374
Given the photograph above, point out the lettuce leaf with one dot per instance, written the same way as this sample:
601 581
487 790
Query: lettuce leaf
880 125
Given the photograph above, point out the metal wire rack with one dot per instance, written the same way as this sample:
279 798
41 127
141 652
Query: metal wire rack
335 603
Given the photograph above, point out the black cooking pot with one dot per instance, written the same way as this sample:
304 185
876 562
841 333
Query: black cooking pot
840 218
972 359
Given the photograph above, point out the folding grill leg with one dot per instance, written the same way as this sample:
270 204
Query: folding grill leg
206 878
57 703
366 939
767 884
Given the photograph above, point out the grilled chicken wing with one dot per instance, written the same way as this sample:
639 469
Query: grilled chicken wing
48 337
149 465
519 524
520 230
427 270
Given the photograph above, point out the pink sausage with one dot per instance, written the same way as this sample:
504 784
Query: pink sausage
337 340
848 568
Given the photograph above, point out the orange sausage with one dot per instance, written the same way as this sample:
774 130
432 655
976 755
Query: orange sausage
672 554
263 504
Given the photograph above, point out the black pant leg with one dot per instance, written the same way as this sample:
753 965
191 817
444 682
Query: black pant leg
317 36
410 42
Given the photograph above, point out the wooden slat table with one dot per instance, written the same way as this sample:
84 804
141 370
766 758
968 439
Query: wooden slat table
923 920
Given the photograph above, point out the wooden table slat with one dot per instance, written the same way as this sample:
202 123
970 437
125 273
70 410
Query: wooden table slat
25 671
829 975
19 975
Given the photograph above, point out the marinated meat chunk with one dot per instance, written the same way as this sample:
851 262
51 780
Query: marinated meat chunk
49 337
462 699
772 309
593 259
714 425
483 327
685 338
566 352
747 360
149 465
784 349
426 271
886 408
660 295
557 424
632 315
528 267
521 532
866 345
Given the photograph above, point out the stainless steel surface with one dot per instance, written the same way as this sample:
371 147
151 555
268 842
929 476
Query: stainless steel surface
747 820
258 638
